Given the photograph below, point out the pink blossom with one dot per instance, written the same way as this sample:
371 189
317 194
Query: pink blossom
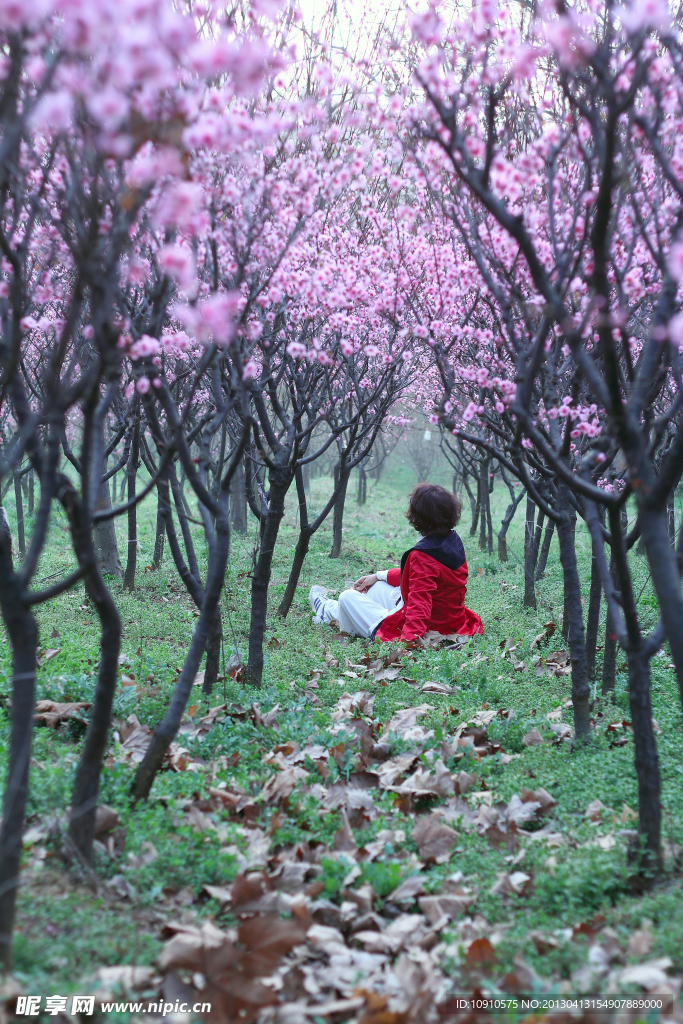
676 330
675 261
645 14
179 206
178 262
217 317
53 112
250 370
143 348
109 108
143 385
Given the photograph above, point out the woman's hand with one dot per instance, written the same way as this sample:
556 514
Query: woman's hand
365 582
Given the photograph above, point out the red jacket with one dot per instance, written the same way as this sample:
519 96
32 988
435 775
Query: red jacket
433 598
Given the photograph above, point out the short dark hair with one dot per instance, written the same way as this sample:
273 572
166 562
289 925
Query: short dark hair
433 510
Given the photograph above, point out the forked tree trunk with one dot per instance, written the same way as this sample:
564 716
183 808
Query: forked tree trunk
545 550
170 723
22 631
213 655
87 780
270 526
574 613
504 526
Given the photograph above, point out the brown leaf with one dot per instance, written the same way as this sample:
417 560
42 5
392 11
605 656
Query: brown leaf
434 839
464 782
52 714
532 739
55 634
595 811
267 941
540 796
344 840
548 630
282 785
480 952
408 889
106 819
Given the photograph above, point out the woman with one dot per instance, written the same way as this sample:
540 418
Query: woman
426 593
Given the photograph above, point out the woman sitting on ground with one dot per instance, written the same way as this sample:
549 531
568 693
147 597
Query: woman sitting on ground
426 593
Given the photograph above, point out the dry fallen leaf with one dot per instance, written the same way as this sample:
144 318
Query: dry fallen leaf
52 714
434 839
533 738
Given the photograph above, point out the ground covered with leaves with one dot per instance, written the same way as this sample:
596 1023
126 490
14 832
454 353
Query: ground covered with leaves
369 833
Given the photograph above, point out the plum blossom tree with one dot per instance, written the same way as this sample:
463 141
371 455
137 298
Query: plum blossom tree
83 89
549 147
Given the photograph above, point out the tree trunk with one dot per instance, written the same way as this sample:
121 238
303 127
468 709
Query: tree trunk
483 502
475 511
362 485
300 552
665 579
609 660
238 501
21 538
638 654
529 588
31 492
646 759
160 533
593 620
170 723
87 780
574 612
22 631
270 524
341 481
213 655
133 466
545 550
489 523
671 519
105 536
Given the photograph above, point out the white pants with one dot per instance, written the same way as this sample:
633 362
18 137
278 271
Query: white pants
360 614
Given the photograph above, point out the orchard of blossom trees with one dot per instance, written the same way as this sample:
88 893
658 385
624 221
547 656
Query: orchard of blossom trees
229 250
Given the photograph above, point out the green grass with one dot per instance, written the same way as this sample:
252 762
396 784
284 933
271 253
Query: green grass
67 928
